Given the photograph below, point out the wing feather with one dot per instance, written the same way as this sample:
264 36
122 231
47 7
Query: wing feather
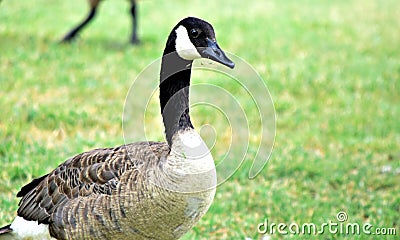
91 173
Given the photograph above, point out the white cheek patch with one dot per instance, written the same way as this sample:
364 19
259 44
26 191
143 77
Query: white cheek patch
183 46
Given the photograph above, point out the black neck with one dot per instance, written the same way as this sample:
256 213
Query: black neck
174 93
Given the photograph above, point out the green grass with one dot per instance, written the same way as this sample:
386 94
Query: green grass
332 67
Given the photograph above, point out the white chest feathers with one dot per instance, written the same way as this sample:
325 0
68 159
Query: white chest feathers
191 160
183 46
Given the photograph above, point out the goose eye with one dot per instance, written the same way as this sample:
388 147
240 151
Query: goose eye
194 33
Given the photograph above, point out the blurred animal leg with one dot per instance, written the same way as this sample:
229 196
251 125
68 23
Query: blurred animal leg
134 38
74 32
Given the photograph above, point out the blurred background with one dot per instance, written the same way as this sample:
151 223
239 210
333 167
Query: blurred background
332 68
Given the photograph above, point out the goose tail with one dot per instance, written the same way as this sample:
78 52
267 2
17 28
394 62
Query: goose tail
6 230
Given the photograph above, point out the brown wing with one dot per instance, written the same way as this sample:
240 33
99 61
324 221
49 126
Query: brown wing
90 173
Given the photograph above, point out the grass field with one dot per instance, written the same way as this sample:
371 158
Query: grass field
332 68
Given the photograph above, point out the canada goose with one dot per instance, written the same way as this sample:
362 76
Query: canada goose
143 190
71 35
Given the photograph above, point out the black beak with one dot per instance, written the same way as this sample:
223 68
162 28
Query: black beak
214 52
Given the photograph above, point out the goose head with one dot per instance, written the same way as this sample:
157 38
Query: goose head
193 38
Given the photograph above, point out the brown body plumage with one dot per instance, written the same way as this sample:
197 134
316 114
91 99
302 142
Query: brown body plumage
93 193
